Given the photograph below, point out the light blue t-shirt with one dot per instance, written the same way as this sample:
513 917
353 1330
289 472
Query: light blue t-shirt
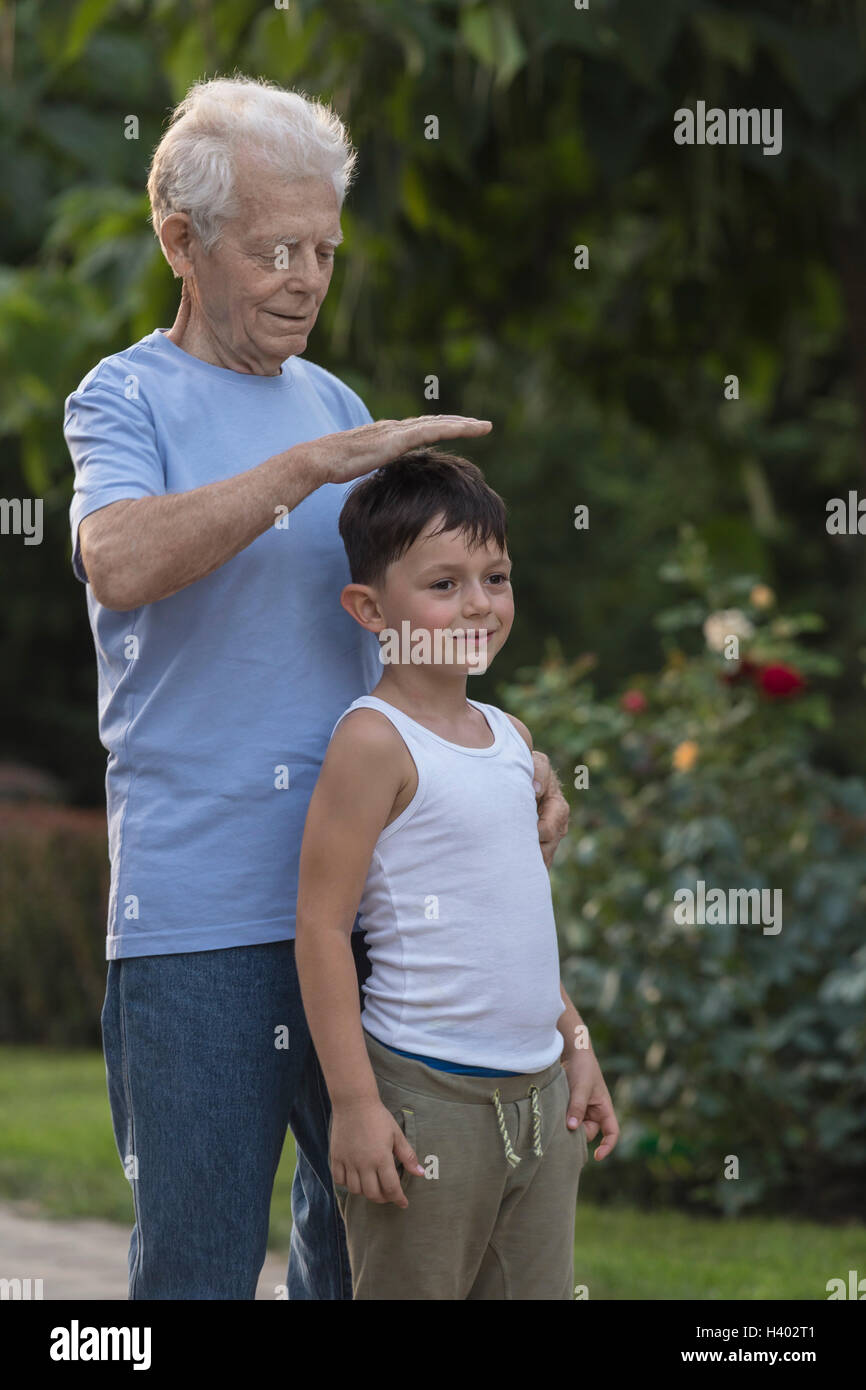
215 704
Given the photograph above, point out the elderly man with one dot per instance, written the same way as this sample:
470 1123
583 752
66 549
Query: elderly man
211 463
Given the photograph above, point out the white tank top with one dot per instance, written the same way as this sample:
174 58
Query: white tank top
457 908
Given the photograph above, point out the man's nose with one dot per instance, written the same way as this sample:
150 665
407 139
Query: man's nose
302 266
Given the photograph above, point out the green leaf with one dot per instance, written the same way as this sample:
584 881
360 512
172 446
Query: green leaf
34 465
687 615
492 35
86 17
186 61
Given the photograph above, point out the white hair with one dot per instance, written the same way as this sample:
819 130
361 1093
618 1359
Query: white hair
194 165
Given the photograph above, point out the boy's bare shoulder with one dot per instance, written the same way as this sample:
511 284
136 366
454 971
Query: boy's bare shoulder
521 729
369 735
367 751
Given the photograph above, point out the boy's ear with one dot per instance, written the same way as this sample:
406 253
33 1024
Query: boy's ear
360 603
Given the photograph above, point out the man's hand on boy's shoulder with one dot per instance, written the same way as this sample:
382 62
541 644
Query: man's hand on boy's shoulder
366 1145
553 809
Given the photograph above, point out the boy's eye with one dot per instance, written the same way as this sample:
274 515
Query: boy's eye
503 578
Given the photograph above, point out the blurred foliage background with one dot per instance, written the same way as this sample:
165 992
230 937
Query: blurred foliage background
606 388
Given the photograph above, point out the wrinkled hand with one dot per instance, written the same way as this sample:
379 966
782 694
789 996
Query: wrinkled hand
366 1145
590 1100
351 453
553 809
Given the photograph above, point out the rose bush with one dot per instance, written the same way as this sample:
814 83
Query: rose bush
726 1049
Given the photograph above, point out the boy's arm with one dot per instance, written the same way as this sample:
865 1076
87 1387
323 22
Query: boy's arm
570 1020
590 1097
590 1101
568 1024
358 782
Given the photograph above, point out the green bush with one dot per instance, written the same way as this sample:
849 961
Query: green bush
715 1040
53 891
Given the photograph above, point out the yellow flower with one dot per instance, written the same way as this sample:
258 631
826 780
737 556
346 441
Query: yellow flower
762 596
685 755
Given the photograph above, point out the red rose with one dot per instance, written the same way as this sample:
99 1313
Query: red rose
634 701
778 681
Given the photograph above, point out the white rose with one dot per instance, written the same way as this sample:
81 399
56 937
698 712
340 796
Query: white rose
730 622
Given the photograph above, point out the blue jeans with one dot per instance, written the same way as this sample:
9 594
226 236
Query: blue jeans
202 1094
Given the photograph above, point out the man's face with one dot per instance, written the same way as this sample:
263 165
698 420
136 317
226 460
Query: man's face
260 289
439 583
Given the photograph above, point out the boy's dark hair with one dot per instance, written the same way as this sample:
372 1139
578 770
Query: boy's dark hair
388 509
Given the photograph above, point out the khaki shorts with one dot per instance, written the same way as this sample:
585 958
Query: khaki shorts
493 1217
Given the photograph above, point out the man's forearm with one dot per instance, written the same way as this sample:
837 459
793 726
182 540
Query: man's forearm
329 987
143 549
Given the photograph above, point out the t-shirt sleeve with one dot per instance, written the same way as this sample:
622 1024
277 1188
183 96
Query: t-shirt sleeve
111 438
345 405
363 415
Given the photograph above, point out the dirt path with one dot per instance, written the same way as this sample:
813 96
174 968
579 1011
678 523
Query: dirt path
81 1259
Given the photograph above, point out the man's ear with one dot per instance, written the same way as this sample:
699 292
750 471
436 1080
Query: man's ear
175 236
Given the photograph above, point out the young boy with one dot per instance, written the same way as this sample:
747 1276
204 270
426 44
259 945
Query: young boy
454 1169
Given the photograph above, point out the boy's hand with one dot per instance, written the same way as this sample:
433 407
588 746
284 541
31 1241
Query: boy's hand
590 1099
366 1144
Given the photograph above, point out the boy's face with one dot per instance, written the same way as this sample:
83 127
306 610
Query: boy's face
439 583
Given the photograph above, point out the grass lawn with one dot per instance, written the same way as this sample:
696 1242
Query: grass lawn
57 1158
